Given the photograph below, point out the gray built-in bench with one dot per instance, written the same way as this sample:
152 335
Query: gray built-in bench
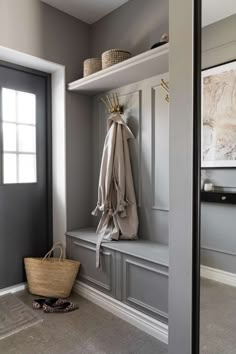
133 272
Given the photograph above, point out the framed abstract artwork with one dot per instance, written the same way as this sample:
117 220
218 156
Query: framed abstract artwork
219 116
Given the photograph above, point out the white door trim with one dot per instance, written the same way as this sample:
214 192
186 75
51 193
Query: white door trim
57 72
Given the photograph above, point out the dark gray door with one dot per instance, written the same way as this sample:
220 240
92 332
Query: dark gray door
24 171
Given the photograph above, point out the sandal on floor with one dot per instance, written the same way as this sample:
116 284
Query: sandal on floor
38 303
62 308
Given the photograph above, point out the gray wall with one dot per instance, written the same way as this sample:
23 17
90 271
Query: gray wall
147 114
218 225
33 27
135 26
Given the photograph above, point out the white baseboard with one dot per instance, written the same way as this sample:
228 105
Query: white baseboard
13 289
218 275
146 323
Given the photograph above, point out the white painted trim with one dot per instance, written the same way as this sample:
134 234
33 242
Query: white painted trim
142 66
138 319
218 275
13 289
58 131
59 155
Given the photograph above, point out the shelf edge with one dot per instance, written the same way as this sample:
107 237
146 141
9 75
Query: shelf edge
102 74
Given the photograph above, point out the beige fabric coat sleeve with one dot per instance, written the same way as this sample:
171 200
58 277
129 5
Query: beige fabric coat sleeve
116 195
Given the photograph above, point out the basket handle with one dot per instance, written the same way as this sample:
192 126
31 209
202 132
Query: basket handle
55 246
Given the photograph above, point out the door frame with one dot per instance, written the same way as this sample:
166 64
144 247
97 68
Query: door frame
48 97
184 220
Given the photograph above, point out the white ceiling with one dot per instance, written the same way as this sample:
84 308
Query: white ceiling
88 11
91 11
216 10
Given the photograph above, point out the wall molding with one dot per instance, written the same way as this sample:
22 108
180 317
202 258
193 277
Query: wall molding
13 289
217 250
150 269
107 287
138 319
96 282
218 275
147 307
138 139
83 245
156 206
135 301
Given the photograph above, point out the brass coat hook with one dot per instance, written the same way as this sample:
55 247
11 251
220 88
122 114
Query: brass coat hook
165 86
112 104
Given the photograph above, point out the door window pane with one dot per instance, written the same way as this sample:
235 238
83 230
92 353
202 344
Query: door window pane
26 138
9 168
27 168
26 108
19 136
9 137
8 105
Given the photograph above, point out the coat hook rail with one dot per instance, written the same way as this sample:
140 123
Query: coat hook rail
165 86
112 104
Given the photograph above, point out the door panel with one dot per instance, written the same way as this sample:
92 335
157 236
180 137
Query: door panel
103 279
24 179
145 286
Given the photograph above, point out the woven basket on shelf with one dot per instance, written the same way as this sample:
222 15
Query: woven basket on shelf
92 65
114 56
51 277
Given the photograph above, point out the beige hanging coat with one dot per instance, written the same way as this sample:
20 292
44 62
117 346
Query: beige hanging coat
116 195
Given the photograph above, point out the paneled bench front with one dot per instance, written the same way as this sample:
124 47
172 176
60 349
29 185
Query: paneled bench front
134 272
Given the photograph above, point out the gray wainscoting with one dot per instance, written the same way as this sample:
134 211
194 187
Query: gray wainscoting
134 272
102 279
145 286
147 114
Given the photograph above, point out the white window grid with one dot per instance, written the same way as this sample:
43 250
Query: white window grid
17 152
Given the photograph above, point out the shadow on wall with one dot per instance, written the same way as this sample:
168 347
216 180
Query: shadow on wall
133 27
66 39
38 29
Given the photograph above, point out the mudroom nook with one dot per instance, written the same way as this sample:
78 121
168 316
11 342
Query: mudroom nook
134 272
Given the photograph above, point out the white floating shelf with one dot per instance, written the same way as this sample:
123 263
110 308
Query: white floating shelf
142 66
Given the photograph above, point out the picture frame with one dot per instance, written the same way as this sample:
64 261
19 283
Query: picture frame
218 123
